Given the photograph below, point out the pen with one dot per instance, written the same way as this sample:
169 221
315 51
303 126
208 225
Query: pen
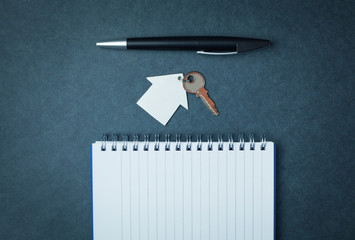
202 44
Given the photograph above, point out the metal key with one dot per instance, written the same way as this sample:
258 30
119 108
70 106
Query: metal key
194 82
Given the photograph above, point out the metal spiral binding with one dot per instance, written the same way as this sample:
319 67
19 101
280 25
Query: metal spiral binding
199 143
178 143
241 142
252 143
114 142
263 143
209 142
103 142
230 142
220 143
125 143
188 142
135 142
146 142
167 142
156 142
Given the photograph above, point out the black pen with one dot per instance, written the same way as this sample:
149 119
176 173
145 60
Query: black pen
202 44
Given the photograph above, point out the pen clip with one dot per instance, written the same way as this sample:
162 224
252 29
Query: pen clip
216 53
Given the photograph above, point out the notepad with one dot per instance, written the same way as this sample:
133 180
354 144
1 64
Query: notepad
183 190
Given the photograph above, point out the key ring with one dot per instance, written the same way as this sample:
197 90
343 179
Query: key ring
196 76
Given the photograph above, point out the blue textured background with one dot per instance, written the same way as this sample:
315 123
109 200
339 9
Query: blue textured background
59 93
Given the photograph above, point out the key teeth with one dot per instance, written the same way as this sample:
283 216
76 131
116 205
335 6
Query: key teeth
209 103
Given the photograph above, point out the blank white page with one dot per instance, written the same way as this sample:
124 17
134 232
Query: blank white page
213 195
134 159
161 194
205 193
143 191
152 192
222 193
196 193
231 193
187 194
248 193
240 193
257 193
178 193
268 192
106 179
187 191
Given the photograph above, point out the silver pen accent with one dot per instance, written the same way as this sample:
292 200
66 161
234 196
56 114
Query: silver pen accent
120 44
216 53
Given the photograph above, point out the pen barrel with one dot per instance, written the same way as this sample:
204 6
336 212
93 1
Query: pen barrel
208 44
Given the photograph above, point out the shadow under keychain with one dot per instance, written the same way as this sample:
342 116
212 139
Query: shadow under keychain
168 92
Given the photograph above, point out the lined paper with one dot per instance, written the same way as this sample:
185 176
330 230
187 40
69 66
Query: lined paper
216 194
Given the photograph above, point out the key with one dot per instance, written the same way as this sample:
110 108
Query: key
194 82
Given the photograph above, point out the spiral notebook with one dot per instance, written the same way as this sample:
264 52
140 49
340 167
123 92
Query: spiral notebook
183 189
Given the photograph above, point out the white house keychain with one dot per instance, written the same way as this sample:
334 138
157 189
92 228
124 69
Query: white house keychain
168 92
